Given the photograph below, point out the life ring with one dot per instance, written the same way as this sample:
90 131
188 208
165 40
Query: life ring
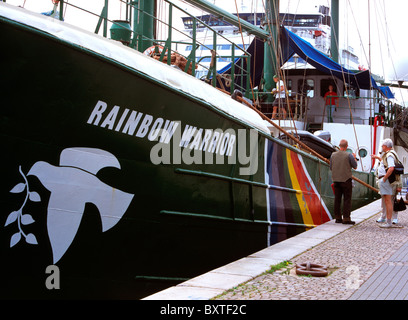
311 269
151 51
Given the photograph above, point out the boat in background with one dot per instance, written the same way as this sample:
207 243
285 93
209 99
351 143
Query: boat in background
313 27
125 174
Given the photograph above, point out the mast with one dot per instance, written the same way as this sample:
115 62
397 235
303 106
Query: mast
143 22
334 48
271 67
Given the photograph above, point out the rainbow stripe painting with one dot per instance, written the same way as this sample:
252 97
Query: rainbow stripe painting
293 196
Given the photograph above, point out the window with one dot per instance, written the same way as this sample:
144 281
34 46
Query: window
324 86
289 86
351 92
224 47
306 87
306 21
188 22
363 152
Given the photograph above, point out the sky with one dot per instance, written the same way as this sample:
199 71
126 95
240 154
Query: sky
384 48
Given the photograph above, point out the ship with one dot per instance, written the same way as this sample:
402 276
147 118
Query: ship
123 173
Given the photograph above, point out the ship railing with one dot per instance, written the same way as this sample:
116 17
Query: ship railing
386 111
295 104
236 79
135 23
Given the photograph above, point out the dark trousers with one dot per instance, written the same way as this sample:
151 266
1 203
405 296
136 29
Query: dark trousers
342 190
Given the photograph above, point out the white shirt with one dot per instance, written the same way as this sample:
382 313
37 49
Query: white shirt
381 168
280 93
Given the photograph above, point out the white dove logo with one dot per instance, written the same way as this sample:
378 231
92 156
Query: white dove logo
73 184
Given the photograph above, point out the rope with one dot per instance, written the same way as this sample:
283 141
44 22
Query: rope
300 143
243 44
278 49
305 146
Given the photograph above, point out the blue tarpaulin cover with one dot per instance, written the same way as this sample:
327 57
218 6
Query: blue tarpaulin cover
291 44
256 50
386 91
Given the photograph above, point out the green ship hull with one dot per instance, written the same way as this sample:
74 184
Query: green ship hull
91 186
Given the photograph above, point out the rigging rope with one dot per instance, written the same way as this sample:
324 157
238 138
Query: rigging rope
300 143
243 44
278 49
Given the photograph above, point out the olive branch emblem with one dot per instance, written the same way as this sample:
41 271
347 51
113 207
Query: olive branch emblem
19 217
76 175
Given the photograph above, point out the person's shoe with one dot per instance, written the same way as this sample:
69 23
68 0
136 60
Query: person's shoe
381 220
339 220
386 225
395 221
348 222
396 225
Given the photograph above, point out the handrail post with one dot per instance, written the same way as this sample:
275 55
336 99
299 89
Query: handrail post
105 21
61 12
193 48
214 79
135 4
233 69
248 77
140 26
168 42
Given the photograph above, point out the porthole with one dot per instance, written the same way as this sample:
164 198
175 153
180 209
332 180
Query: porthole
363 153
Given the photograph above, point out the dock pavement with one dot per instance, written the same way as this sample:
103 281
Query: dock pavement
365 262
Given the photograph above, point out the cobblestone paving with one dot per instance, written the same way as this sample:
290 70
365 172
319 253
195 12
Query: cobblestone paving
352 257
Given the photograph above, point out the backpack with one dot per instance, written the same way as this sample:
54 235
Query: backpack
398 168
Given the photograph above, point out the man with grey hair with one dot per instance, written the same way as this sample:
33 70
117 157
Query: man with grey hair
387 190
341 163
388 143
